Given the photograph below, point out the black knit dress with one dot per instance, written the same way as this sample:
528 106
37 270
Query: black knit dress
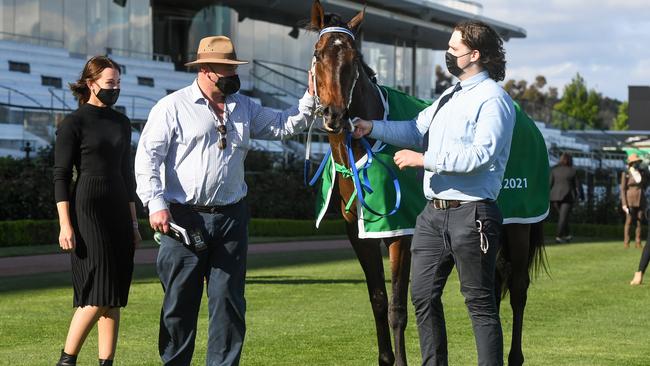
97 142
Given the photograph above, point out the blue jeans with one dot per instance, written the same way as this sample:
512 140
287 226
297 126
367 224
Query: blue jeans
182 273
442 239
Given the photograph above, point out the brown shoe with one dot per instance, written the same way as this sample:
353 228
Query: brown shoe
626 245
638 278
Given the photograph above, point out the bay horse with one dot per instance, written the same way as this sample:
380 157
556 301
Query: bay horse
345 89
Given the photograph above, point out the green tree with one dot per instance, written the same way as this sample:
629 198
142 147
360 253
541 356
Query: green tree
620 121
580 106
537 98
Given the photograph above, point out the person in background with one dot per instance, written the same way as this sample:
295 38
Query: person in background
565 190
633 184
98 219
202 134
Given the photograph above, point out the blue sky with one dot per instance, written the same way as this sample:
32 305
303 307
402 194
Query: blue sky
606 41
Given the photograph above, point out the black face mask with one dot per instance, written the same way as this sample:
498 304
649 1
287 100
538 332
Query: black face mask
228 84
452 63
108 96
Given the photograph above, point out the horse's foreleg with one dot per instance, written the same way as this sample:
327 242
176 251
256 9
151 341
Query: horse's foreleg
400 266
370 258
519 246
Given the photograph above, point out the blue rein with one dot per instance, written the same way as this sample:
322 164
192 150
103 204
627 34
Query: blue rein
359 186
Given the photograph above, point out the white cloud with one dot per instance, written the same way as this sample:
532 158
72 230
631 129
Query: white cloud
605 41
641 71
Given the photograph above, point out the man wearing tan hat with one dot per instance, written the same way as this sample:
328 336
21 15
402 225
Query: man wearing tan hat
202 134
633 202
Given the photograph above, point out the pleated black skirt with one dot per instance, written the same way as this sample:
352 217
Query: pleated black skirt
102 262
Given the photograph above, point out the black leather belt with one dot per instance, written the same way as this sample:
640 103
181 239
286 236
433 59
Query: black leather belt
440 204
203 209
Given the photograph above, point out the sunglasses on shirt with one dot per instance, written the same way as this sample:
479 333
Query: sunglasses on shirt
222 131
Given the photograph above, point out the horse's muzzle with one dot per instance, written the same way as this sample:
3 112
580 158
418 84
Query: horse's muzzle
334 121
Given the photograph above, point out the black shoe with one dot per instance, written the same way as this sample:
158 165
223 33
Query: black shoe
105 362
67 360
559 240
568 238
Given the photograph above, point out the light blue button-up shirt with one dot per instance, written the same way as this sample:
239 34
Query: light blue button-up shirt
469 140
178 158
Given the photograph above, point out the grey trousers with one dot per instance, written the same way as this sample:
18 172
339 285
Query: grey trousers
443 238
182 274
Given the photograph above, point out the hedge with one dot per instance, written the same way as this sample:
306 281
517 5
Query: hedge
39 232
596 231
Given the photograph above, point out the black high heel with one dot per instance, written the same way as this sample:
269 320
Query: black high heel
67 360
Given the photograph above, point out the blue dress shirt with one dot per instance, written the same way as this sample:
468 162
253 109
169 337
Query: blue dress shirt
469 140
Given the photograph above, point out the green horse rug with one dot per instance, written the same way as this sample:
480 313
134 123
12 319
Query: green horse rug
524 193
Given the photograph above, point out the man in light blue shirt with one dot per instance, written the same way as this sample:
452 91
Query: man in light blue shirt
466 136
190 171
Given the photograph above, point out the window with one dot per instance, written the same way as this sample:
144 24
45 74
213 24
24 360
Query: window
169 91
19 67
51 81
145 81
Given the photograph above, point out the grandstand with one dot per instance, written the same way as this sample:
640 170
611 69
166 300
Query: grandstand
152 40
34 94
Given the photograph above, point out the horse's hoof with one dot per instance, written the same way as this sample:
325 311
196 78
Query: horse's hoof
386 360
515 359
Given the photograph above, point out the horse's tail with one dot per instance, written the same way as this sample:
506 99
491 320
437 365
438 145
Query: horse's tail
536 261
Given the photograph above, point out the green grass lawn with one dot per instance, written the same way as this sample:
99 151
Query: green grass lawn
313 309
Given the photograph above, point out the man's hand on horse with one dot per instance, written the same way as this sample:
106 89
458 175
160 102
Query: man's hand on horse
310 83
362 127
408 158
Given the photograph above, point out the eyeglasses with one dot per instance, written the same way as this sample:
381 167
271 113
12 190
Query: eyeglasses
222 142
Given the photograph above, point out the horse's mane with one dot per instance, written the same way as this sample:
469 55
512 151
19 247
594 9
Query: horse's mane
334 20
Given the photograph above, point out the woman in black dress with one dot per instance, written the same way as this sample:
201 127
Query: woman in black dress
97 218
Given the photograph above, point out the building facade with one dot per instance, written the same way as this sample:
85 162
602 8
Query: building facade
639 107
170 30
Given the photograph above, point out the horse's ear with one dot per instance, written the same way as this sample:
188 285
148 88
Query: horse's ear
317 16
355 23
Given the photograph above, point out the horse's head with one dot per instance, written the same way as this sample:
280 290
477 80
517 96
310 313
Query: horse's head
335 66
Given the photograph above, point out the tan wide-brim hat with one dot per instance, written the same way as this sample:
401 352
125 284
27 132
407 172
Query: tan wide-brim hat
216 50
633 158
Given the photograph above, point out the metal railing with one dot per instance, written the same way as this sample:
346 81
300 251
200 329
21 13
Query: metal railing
10 90
286 84
136 107
280 80
61 100
133 97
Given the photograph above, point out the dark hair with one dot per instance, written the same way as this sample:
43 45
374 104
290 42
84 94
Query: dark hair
565 159
480 36
91 72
